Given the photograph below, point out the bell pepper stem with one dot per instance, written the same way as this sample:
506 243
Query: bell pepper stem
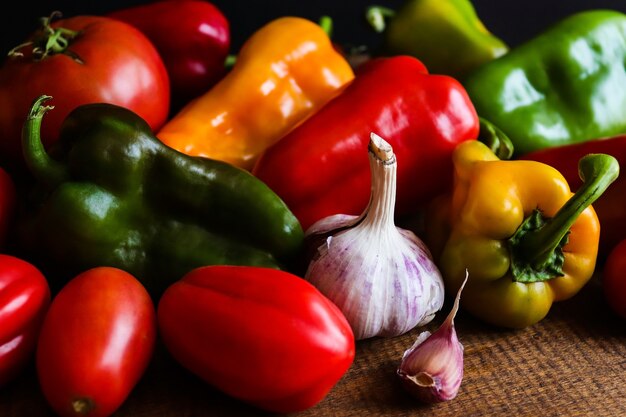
597 171
492 136
230 61
326 23
44 168
376 16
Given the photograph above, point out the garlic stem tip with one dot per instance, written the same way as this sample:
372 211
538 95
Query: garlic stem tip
380 147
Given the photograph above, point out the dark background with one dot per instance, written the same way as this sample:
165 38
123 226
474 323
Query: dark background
513 21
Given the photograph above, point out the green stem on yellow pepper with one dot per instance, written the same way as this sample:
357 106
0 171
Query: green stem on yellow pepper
492 136
536 247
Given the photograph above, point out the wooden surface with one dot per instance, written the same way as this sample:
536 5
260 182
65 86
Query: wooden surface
573 363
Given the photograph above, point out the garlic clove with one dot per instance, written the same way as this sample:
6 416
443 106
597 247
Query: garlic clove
432 369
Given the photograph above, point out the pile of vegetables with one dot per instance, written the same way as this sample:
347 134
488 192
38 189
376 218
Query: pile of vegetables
250 210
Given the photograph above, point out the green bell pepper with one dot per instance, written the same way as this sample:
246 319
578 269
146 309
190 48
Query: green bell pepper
114 195
566 85
446 35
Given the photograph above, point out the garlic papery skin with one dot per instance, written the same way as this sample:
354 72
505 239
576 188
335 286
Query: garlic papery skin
432 369
383 278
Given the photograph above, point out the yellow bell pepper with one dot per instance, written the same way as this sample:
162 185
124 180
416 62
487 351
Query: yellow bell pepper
285 72
524 238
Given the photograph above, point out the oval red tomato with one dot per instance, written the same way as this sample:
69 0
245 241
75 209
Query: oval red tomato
614 279
261 335
108 61
96 342
24 300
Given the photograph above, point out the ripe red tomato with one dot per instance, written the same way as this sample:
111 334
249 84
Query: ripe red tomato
614 279
96 342
24 300
261 335
107 61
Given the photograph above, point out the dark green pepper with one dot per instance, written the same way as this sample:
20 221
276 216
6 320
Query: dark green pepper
117 196
446 35
566 85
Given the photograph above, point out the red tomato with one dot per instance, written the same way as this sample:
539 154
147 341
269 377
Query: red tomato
108 61
96 342
261 335
7 204
614 279
24 300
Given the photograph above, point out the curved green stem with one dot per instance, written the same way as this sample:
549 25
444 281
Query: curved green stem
537 247
326 23
376 16
492 136
44 168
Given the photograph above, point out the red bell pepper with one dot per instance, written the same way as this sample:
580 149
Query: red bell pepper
24 301
610 206
192 37
320 168
614 279
260 335
7 204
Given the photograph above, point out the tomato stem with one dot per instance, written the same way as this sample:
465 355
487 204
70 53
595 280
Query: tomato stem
83 406
48 41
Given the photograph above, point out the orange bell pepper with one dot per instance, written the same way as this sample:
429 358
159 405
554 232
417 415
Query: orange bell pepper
285 72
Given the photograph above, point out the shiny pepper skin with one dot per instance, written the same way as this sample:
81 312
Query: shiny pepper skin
260 335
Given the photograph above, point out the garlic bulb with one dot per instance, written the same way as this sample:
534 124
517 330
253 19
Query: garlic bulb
432 369
383 278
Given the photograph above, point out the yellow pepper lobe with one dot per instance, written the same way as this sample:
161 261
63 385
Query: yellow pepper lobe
285 72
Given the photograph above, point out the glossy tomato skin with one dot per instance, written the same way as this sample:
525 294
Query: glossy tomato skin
119 66
260 335
24 300
96 342
7 204
614 279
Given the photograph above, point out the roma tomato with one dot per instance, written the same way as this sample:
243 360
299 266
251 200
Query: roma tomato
7 204
96 342
24 300
80 60
614 279
261 335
